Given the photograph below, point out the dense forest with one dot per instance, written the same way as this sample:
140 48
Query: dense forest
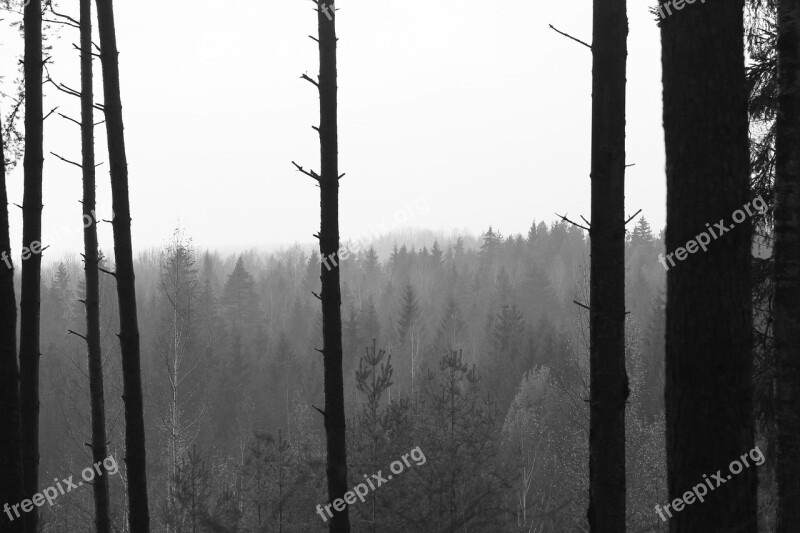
592 375
469 348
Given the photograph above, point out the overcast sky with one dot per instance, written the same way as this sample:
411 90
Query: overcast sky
475 107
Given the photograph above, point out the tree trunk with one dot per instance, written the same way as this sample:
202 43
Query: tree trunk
608 378
136 461
787 269
91 262
329 245
31 258
709 392
10 444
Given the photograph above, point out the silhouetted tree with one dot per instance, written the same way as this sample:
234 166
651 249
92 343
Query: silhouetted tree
10 444
787 269
91 262
136 460
331 294
608 378
709 409
30 295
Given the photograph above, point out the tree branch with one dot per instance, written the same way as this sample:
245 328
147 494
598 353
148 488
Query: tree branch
576 302
78 335
304 77
309 173
67 160
565 219
568 36
633 216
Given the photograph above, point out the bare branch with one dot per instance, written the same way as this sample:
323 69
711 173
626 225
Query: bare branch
304 77
309 173
576 302
70 119
78 335
50 113
64 22
70 19
565 219
101 269
568 36
319 410
633 216
67 160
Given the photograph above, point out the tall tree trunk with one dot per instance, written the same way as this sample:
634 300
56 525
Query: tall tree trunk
91 262
787 269
608 378
709 392
31 259
10 444
136 461
329 246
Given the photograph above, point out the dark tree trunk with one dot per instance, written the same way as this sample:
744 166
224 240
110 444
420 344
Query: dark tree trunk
787 269
139 514
709 392
608 378
10 444
31 259
331 291
91 262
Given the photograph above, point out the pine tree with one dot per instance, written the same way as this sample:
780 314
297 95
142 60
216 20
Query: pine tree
30 293
708 396
608 377
369 320
61 289
91 260
511 358
331 293
642 234
10 444
787 269
409 313
240 303
452 327
136 453
437 256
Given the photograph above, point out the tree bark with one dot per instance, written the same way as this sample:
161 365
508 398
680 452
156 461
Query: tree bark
11 443
136 461
329 245
709 391
31 259
608 378
91 262
787 270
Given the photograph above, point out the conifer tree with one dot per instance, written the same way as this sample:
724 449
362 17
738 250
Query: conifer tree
787 268
10 444
30 293
709 362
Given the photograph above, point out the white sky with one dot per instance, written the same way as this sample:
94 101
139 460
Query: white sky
476 107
